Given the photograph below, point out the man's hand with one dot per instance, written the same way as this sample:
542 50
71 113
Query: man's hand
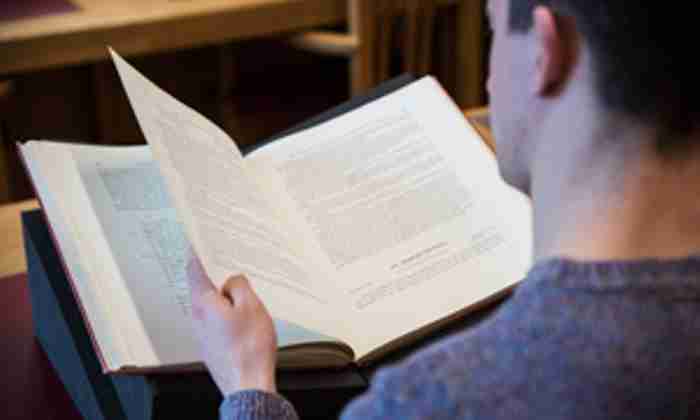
235 331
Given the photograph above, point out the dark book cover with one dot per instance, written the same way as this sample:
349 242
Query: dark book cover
61 332
59 326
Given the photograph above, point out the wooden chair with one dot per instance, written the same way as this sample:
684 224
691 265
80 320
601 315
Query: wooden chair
371 38
370 44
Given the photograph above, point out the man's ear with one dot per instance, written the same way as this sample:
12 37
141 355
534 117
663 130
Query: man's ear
550 52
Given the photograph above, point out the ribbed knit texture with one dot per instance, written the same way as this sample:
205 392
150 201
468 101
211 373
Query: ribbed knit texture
252 405
594 340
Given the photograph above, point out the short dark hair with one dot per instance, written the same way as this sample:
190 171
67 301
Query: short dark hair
640 55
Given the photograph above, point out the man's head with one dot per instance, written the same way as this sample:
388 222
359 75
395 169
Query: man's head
628 59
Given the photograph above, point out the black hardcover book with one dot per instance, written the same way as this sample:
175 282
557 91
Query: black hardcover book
62 333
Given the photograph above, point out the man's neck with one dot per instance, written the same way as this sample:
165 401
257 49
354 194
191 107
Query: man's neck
623 203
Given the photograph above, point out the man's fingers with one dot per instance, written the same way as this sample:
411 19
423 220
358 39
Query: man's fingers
237 289
200 284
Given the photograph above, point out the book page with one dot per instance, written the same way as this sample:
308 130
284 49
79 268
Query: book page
230 221
128 220
67 211
402 201
150 247
146 241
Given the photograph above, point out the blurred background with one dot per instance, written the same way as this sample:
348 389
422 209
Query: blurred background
254 67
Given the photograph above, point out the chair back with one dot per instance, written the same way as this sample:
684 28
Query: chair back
395 25
376 29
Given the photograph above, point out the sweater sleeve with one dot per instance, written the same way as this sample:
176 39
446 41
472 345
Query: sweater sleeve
256 405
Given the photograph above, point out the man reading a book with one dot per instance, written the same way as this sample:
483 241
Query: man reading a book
595 119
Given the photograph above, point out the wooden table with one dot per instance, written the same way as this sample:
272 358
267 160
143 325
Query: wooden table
148 26
30 388
136 27
12 259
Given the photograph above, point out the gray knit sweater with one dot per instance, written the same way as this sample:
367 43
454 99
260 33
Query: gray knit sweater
587 341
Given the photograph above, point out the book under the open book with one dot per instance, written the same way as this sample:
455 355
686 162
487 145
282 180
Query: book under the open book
359 234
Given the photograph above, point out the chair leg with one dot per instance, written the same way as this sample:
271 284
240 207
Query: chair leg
105 84
445 47
227 112
4 165
425 41
362 63
410 35
5 147
386 14
469 52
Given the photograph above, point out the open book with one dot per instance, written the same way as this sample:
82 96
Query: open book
359 234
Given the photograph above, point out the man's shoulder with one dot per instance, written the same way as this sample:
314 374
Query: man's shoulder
448 379
449 365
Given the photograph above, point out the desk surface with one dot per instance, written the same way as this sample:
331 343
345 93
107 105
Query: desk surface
12 259
148 26
30 388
